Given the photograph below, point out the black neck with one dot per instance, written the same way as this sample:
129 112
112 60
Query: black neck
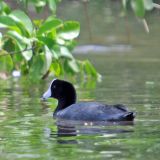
65 102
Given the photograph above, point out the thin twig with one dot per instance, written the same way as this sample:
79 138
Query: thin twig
145 25
85 4
11 53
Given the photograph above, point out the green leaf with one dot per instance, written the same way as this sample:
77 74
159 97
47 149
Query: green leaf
36 69
37 22
11 23
138 7
67 67
6 63
6 22
50 44
18 37
48 59
52 34
40 3
27 54
1 36
50 18
124 3
41 64
64 52
89 69
71 44
39 9
1 42
52 5
20 16
49 25
73 65
56 51
12 47
25 3
4 8
22 43
70 30
148 4
56 68
46 41
9 45
18 61
60 41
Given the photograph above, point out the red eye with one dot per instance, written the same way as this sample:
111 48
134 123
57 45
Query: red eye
54 86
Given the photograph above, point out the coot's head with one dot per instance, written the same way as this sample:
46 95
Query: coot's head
61 90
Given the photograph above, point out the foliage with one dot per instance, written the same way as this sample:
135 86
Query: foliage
39 47
139 6
40 4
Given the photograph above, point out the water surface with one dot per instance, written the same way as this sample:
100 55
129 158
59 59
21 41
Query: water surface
29 132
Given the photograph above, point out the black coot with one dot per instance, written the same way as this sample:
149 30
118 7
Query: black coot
85 111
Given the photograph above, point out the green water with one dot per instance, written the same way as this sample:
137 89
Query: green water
28 131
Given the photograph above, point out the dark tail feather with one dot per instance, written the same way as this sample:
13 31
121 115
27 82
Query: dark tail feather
129 116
